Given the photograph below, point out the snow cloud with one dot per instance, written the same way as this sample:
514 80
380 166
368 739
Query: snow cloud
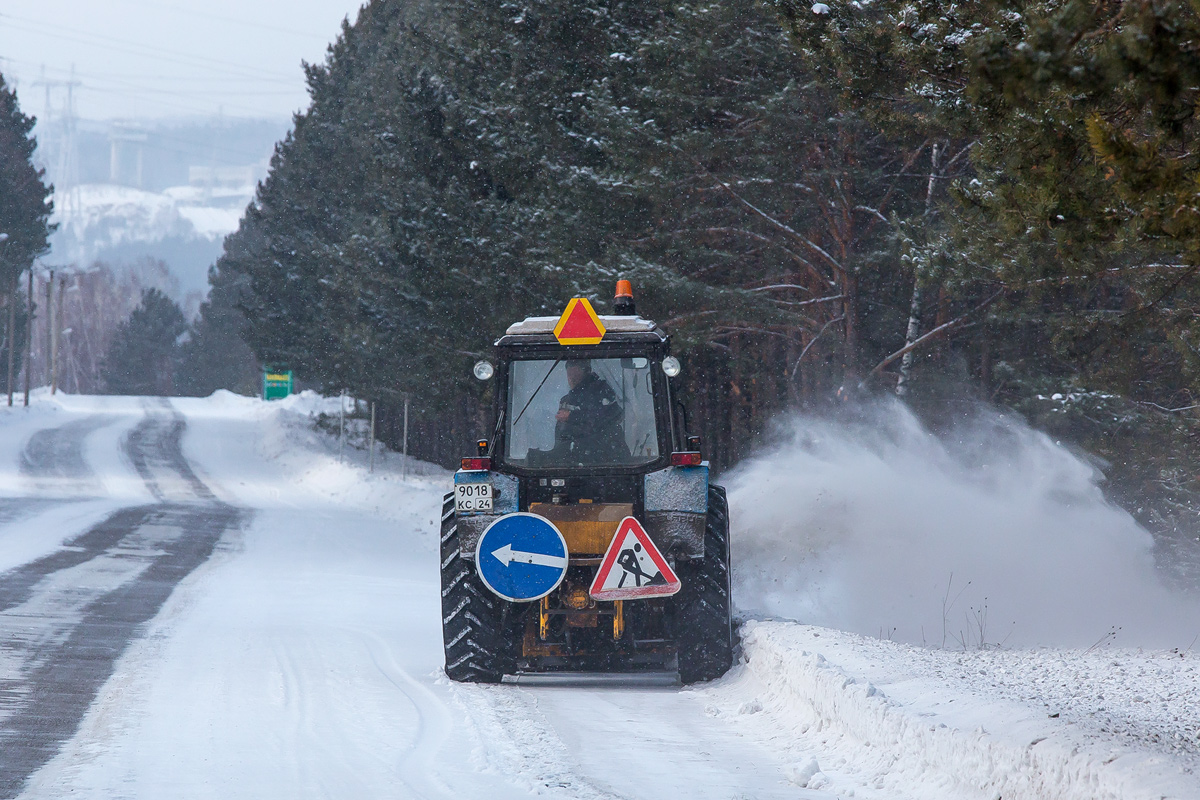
993 533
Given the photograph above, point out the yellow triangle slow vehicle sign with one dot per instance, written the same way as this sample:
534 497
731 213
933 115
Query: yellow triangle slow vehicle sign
579 324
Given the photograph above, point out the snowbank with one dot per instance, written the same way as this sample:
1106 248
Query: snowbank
857 712
286 448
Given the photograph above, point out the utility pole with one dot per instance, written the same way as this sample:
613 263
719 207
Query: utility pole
54 343
66 173
341 425
12 335
29 339
48 341
12 325
372 436
405 473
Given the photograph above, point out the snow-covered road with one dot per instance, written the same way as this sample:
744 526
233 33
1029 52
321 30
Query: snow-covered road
302 658
68 615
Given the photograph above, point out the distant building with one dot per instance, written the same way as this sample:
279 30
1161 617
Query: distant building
127 155
226 177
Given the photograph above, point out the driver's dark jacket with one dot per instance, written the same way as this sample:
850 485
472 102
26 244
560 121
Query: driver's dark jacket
593 432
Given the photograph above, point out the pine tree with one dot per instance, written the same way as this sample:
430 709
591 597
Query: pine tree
25 209
1077 120
466 164
144 354
1106 93
214 355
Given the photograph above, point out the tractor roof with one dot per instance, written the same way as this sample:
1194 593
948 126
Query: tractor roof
612 324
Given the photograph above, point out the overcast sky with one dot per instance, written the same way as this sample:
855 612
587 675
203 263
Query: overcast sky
143 59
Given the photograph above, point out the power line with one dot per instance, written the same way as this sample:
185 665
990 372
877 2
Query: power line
131 76
130 85
157 5
126 46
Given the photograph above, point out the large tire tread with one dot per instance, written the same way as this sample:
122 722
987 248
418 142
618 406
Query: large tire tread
704 618
472 617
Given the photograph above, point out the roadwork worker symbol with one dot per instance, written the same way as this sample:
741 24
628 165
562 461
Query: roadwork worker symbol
633 567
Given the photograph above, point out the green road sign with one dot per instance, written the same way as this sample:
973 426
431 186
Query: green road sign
276 385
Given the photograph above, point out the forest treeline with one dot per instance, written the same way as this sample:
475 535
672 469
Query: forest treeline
991 199
988 200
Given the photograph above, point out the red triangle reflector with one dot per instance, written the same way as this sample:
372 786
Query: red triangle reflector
579 324
632 567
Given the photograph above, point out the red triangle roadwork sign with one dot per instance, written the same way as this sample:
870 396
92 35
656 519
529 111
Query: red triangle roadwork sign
633 568
579 324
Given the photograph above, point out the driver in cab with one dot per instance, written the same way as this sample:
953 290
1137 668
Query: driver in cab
588 424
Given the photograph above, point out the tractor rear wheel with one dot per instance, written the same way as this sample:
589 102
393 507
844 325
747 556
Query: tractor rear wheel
704 619
473 619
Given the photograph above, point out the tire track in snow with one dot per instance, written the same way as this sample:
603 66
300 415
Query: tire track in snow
52 461
645 736
53 457
66 618
515 740
154 449
433 723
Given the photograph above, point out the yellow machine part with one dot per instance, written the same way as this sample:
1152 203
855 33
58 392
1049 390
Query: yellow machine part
587 527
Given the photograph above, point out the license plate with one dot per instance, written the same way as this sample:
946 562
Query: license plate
473 497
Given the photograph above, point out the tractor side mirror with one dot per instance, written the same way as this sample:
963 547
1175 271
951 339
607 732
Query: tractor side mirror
484 370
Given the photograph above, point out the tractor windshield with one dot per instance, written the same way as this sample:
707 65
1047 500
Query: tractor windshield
595 412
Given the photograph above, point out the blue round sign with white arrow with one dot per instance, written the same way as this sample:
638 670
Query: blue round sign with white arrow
521 557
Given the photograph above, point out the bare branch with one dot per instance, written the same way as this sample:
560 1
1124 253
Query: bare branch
811 342
781 226
1164 408
940 330
780 286
950 164
1114 271
727 329
873 211
830 299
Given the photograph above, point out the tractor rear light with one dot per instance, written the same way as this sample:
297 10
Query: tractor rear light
477 463
686 459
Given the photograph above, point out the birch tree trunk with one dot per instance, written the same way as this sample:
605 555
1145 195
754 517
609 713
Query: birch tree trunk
914 309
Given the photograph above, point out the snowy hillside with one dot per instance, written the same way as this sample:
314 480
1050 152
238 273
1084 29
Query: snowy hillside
184 226
303 657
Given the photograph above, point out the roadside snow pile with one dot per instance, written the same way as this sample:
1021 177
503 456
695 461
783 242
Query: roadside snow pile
910 721
990 534
310 460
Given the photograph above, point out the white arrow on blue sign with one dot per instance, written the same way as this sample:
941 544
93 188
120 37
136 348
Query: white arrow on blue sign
521 557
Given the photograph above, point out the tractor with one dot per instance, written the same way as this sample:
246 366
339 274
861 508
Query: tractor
584 534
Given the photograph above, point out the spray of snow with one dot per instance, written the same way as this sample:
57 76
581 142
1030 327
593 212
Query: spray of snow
990 534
